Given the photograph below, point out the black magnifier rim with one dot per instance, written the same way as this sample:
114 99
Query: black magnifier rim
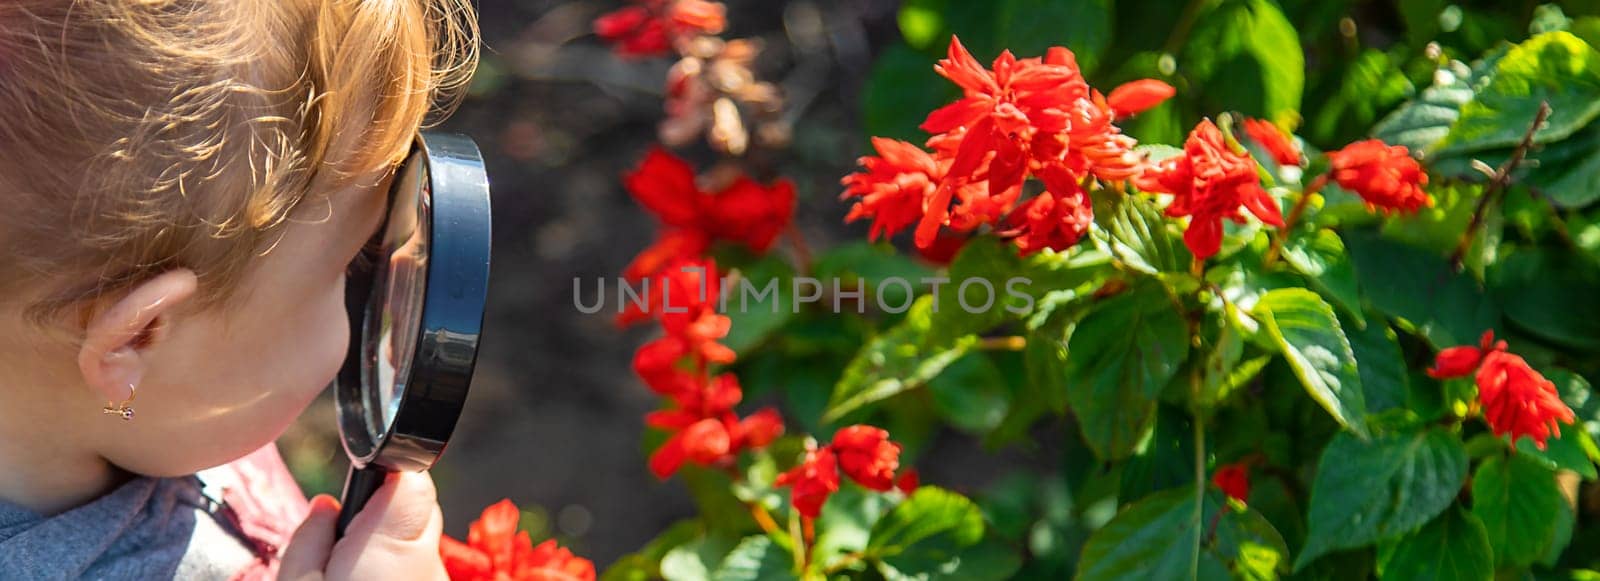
454 296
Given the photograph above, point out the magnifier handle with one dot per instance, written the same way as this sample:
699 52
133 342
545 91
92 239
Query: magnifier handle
359 487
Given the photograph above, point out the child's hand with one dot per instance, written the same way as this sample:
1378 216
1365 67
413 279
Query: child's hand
396 536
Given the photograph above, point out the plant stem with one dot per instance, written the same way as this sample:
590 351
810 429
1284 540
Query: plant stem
1497 185
1295 214
802 251
764 519
1180 32
799 544
1008 343
1199 467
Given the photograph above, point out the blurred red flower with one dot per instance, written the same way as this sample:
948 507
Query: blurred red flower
1516 399
1462 361
1386 176
867 456
703 426
495 550
1234 480
1209 182
745 212
909 481
863 452
813 480
1139 96
651 27
1277 143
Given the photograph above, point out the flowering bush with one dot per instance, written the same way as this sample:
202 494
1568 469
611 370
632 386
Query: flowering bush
1271 360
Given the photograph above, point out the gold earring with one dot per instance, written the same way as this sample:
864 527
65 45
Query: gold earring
124 409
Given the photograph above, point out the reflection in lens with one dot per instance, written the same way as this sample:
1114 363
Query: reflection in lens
394 311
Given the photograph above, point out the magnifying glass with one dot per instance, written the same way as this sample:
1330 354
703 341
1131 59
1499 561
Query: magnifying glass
416 315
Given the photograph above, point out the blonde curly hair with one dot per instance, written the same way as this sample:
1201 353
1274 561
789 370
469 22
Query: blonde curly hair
138 136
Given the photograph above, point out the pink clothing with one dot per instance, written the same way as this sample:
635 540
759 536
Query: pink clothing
266 503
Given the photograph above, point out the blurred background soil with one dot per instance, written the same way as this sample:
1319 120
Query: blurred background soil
554 421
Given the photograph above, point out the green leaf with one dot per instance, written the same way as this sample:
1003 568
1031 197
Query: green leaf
1419 287
931 515
1323 258
1132 230
756 315
902 358
846 523
1453 547
1425 121
1307 331
1165 461
1380 489
1550 294
1118 359
693 561
1517 500
646 562
901 91
990 560
756 559
1385 378
1164 535
971 393
1030 27
869 265
1555 67
984 265
1244 55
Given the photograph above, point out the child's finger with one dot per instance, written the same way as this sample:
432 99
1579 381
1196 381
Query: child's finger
311 544
400 509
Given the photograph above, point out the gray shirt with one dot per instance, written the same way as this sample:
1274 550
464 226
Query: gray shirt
149 528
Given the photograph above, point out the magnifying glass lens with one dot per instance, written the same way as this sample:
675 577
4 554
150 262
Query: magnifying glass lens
394 310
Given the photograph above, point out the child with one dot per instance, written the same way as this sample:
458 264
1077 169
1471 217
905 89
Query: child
184 183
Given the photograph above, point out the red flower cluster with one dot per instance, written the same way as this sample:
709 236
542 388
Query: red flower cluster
1019 117
651 27
703 426
1233 480
1209 182
1277 143
1516 399
496 551
744 212
864 453
1386 176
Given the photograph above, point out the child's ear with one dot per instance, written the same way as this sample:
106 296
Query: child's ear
112 357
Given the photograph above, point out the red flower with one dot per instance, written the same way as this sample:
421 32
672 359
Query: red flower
1139 96
650 27
1278 144
816 478
1461 361
744 212
496 551
1519 401
1516 399
1055 219
704 429
908 482
867 456
892 189
671 246
1209 182
1233 480
995 123
1386 176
